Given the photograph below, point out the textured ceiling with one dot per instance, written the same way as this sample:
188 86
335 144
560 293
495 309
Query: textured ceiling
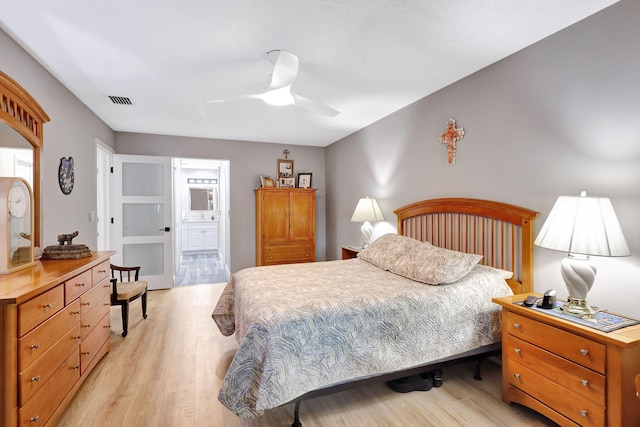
365 58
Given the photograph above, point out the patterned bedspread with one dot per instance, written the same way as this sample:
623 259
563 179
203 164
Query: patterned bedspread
302 327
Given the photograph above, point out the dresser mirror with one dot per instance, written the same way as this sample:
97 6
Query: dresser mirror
21 122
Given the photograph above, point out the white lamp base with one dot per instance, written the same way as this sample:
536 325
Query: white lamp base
578 274
366 229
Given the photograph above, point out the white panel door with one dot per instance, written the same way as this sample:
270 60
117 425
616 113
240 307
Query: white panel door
143 217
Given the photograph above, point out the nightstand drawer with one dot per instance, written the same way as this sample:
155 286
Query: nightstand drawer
573 377
583 411
570 346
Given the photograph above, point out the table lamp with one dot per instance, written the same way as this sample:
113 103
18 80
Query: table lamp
582 226
367 211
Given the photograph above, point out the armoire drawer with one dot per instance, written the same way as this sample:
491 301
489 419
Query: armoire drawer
578 349
37 342
289 252
39 309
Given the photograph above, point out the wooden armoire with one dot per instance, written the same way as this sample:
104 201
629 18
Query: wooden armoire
285 225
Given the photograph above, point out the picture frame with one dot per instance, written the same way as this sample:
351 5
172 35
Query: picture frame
284 169
289 182
304 180
268 182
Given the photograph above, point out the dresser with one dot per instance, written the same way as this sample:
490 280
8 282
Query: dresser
573 374
285 225
54 319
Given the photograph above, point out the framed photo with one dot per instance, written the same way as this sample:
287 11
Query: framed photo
268 182
288 182
304 180
285 169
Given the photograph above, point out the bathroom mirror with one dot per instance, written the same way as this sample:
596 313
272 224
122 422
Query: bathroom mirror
202 199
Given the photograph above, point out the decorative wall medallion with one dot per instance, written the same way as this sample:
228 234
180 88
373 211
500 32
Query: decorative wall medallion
65 175
450 137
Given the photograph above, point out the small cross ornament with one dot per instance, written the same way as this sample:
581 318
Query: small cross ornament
286 153
450 137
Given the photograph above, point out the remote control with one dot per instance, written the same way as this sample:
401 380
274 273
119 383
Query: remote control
530 300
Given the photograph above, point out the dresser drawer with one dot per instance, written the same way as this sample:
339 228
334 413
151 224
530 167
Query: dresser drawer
39 309
93 297
90 346
36 375
77 286
100 272
570 346
41 339
89 322
289 252
44 402
574 377
573 406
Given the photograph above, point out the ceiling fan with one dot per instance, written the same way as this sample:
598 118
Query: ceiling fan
278 92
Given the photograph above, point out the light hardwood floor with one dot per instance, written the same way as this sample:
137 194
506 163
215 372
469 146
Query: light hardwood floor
168 370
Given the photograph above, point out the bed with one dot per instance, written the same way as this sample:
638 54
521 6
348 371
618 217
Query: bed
409 303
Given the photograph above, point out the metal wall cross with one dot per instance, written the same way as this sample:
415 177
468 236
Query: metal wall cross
450 137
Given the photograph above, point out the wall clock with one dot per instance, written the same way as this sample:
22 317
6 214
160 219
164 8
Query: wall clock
16 225
65 175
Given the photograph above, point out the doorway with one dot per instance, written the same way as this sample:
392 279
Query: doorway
195 258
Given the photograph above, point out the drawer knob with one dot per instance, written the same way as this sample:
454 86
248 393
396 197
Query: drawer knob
583 412
584 382
77 337
517 350
75 313
79 284
85 353
516 376
584 351
516 325
88 325
47 305
34 346
76 367
86 303
34 419
35 379
102 271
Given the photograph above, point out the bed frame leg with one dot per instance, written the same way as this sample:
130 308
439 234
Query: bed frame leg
477 375
296 416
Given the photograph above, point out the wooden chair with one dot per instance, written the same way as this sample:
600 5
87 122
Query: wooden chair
127 289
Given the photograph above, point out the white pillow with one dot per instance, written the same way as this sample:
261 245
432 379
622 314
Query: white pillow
434 265
386 249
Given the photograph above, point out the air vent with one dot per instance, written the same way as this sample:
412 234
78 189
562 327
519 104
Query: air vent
120 100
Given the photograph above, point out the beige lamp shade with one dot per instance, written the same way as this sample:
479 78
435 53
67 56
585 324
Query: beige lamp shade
367 211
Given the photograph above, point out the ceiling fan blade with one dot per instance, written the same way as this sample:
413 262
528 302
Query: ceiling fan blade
285 69
314 106
231 99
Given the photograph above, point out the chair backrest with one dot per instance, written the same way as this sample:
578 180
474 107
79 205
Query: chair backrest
125 274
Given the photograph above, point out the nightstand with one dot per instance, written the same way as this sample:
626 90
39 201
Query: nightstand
572 374
350 251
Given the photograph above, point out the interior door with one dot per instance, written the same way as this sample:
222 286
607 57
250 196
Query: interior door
143 217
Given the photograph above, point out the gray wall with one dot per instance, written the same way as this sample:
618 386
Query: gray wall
71 132
556 118
248 160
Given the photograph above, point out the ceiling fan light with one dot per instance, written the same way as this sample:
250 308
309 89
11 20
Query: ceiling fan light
278 97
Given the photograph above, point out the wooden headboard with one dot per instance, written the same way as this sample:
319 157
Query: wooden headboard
501 233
